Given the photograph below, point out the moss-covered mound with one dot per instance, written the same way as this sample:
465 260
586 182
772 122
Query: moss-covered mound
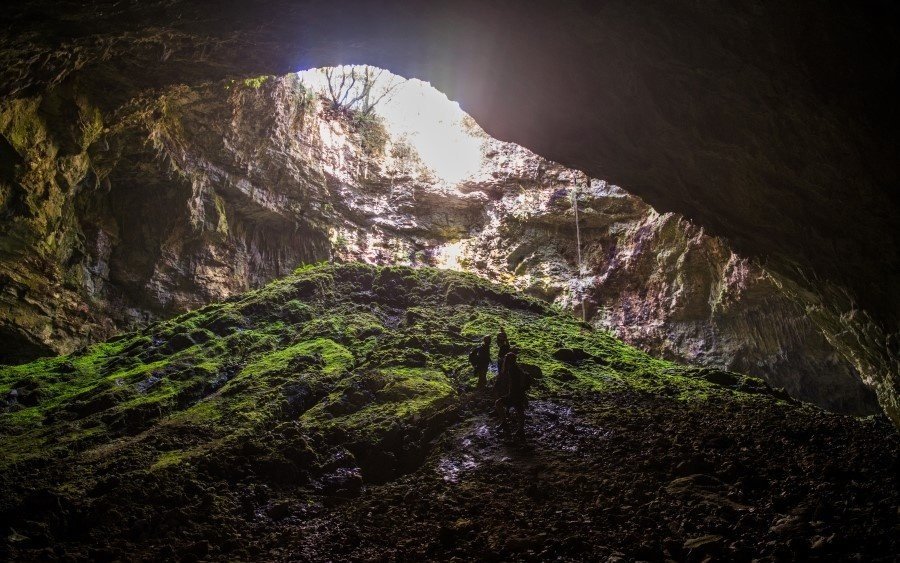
315 384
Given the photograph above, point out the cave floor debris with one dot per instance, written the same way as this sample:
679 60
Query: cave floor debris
628 475
620 475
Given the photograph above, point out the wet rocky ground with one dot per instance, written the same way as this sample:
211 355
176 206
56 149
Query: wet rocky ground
615 476
628 476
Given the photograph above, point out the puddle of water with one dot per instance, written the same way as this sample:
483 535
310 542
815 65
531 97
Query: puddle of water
341 479
550 427
483 431
451 469
474 447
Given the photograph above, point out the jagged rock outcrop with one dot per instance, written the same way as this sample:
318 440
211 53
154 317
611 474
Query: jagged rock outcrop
191 195
661 284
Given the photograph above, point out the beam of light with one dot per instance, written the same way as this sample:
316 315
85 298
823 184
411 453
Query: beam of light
428 121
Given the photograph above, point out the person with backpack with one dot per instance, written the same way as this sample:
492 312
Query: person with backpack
511 388
504 348
480 358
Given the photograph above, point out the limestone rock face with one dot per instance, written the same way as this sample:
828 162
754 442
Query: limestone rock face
112 223
189 195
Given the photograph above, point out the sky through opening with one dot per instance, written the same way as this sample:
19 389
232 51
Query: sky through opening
431 123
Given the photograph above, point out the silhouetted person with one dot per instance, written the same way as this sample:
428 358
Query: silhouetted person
511 387
480 358
503 345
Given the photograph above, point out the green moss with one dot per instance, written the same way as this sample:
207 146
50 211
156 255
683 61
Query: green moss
21 125
168 459
373 134
369 406
257 82
91 124
349 349
334 356
208 411
222 218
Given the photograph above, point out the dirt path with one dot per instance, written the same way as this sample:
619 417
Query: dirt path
552 430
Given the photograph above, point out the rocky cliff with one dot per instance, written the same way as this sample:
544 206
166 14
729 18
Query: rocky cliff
188 195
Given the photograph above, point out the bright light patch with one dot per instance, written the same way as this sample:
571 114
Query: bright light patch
448 256
433 125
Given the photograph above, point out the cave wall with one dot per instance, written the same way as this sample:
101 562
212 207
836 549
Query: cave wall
111 221
771 124
195 194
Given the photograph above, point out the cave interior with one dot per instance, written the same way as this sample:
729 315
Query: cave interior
238 288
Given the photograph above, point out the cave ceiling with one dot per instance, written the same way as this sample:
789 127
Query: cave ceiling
772 124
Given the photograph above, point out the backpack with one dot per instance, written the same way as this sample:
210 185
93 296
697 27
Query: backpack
473 356
526 378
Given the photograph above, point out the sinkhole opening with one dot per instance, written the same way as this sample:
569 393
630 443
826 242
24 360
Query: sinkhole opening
411 179
451 185
457 185
419 122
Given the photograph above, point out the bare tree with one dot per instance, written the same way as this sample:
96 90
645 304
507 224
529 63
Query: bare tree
359 89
